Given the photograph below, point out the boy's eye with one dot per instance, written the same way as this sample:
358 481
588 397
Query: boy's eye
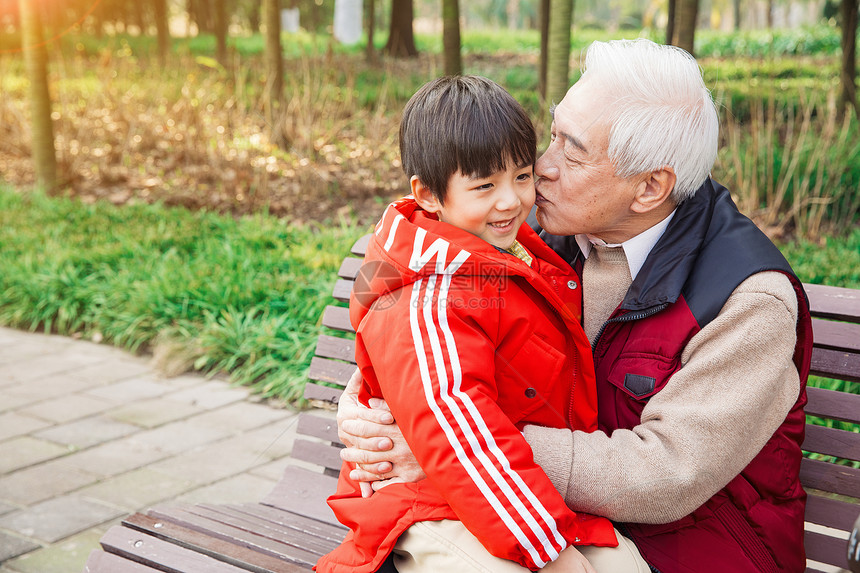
485 186
524 176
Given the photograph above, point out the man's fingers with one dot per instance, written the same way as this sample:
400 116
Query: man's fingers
378 485
367 428
372 444
366 489
361 475
364 456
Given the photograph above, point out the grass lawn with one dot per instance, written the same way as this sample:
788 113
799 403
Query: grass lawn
208 291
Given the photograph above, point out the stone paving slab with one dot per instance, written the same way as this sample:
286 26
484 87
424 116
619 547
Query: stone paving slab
89 434
59 517
67 556
17 424
86 432
43 481
138 488
66 408
22 451
12 546
153 412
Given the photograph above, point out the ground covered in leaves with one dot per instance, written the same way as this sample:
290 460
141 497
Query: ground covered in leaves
195 135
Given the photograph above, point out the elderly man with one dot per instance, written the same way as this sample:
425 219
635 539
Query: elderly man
700 330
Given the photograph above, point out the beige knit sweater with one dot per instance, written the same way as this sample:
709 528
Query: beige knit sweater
736 385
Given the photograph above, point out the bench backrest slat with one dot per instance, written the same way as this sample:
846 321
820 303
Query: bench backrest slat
835 364
833 404
337 348
318 427
817 474
832 442
825 549
831 512
337 317
834 302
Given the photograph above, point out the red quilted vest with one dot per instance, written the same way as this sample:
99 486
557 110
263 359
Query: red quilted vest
755 523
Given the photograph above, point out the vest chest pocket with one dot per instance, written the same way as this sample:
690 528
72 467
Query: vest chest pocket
641 375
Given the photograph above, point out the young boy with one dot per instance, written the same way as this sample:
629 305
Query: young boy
468 325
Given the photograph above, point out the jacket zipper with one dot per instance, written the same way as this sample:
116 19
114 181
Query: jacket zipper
630 316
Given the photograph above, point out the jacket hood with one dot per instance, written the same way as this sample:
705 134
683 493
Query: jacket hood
409 244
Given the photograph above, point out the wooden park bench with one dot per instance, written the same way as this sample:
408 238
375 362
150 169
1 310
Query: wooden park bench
292 526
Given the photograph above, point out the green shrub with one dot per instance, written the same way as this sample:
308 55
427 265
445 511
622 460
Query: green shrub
242 296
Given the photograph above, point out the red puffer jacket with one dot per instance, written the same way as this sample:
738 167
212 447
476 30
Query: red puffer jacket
468 344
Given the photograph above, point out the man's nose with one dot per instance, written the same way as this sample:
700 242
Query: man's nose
545 166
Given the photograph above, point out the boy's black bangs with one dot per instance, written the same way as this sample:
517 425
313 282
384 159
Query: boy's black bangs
496 138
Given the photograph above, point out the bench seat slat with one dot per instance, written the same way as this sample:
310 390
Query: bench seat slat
337 348
304 492
201 542
832 442
252 530
833 404
318 427
286 519
834 478
825 549
834 302
322 393
197 519
835 364
831 512
337 317
349 268
276 530
160 555
326 370
102 562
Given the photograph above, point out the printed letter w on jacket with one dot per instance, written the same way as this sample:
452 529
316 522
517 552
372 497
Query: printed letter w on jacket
439 247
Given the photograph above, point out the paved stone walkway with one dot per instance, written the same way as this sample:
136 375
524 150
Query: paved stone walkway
89 434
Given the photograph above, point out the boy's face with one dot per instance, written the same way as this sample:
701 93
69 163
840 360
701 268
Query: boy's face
492 208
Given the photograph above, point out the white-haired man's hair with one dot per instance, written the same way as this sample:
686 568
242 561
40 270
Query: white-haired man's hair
660 111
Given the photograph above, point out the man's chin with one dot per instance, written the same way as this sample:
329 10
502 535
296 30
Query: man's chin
550 224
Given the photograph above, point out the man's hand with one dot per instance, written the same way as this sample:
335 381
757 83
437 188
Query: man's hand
373 441
570 561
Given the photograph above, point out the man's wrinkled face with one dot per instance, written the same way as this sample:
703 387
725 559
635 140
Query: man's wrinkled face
577 189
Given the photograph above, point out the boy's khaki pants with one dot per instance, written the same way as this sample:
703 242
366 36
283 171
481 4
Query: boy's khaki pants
448 546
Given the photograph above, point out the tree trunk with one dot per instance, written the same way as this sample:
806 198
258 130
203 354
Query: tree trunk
558 54
684 31
274 61
770 14
670 23
451 37
543 25
848 12
36 60
401 39
161 25
513 13
736 5
221 24
370 49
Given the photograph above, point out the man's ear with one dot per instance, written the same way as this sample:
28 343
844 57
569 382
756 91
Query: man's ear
424 196
654 190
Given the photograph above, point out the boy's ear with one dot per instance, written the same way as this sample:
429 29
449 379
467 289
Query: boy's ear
654 190
424 196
